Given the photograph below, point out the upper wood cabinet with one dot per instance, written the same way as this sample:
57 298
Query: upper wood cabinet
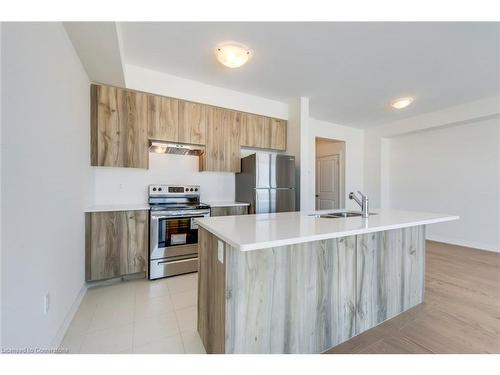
123 121
118 127
116 243
256 131
163 118
192 122
277 133
264 132
222 151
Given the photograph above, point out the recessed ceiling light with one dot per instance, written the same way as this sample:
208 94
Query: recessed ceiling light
232 54
402 102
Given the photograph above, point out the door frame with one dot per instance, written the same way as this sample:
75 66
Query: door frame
341 169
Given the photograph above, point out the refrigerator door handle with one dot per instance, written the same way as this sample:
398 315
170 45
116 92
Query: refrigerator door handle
272 171
272 200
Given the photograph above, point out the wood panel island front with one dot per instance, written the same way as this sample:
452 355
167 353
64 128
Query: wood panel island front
296 283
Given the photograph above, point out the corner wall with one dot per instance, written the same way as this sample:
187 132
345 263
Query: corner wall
46 182
293 142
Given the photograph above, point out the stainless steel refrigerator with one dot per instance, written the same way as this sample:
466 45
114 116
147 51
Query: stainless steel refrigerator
267 182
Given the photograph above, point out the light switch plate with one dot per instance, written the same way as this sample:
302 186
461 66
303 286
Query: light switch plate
220 251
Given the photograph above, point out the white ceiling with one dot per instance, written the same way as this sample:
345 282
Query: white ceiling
350 71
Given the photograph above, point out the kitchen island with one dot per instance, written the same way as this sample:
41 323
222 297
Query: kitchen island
298 283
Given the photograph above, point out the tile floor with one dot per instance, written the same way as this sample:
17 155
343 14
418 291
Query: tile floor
138 316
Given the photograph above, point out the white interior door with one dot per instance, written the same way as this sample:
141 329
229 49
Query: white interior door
328 182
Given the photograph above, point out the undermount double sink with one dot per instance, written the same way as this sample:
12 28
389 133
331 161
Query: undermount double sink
340 214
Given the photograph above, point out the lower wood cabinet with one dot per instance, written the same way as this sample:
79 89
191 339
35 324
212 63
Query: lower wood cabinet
116 243
390 268
228 210
305 297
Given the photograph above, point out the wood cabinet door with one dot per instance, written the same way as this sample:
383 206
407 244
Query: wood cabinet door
116 243
390 274
290 299
118 128
222 152
192 123
278 134
163 118
256 131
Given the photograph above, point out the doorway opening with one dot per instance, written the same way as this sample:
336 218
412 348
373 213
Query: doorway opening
330 174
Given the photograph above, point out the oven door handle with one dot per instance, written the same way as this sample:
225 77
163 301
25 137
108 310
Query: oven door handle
176 261
180 216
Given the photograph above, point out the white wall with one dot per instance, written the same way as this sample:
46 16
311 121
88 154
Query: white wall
377 140
129 186
383 180
138 78
453 170
119 185
1 131
354 153
45 181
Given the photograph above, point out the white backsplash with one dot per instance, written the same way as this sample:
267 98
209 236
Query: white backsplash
129 185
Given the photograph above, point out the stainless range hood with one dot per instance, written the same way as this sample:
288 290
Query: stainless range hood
175 148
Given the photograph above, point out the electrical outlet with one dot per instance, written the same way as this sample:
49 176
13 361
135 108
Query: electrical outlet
46 304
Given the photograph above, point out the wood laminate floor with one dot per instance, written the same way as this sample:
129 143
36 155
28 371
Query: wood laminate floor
461 312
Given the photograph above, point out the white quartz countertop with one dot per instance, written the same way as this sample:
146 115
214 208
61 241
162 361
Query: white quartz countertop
117 207
225 203
253 232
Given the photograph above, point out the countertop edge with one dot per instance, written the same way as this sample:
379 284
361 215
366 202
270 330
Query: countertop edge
226 204
320 237
118 207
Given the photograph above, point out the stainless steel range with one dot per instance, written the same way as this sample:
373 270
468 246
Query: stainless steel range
173 245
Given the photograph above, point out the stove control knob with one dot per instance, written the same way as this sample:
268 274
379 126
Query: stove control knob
196 189
154 189
187 189
159 189
191 189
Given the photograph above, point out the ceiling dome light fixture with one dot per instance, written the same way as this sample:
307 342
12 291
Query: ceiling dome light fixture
232 54
402 102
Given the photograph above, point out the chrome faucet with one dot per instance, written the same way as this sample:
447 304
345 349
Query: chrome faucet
363 202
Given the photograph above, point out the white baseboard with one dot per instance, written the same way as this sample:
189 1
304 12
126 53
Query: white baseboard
56 342
473 244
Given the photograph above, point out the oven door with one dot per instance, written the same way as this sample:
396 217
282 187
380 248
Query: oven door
174 235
